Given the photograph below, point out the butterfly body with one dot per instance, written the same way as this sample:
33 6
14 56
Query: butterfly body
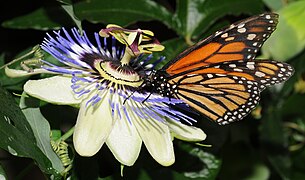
159 83
219 76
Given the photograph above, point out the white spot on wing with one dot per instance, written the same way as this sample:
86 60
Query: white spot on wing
241 30
224 35
229 38
217 33
209 75
268 16
251 36
250 66
240 26
259 74
263 81
238 70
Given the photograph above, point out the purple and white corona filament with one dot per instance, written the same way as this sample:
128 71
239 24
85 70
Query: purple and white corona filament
112 108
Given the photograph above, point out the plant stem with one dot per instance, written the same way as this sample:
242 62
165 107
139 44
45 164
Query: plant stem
22 57
126 58
67 134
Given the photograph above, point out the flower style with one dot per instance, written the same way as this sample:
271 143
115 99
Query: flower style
104 79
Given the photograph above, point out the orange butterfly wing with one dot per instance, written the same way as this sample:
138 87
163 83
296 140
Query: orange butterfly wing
227 96
240 41
219 76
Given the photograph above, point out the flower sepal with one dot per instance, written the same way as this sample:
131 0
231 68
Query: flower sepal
56 90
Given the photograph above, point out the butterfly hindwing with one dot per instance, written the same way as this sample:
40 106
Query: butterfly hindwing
228 92
240 41
222 99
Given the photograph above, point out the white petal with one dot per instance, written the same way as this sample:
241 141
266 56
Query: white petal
93 126
124 142
185 132
157 139
55 90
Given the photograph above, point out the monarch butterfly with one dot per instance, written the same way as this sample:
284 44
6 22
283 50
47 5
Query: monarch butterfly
218 76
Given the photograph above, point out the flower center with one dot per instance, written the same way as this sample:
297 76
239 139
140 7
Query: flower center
115 72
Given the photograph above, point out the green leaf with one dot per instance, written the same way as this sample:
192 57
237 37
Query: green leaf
282 164
289 38
122 12
17 136
195 17
298 164
211 168
2 173
68 7
56 134
204 165
273 140
289 106
8 82
41 129
298 174
274 4
41 19
259 171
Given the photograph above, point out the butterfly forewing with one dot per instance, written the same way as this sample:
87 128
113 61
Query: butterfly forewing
240 41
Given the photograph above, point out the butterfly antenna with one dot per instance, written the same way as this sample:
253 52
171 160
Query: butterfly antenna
128 97
147 97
